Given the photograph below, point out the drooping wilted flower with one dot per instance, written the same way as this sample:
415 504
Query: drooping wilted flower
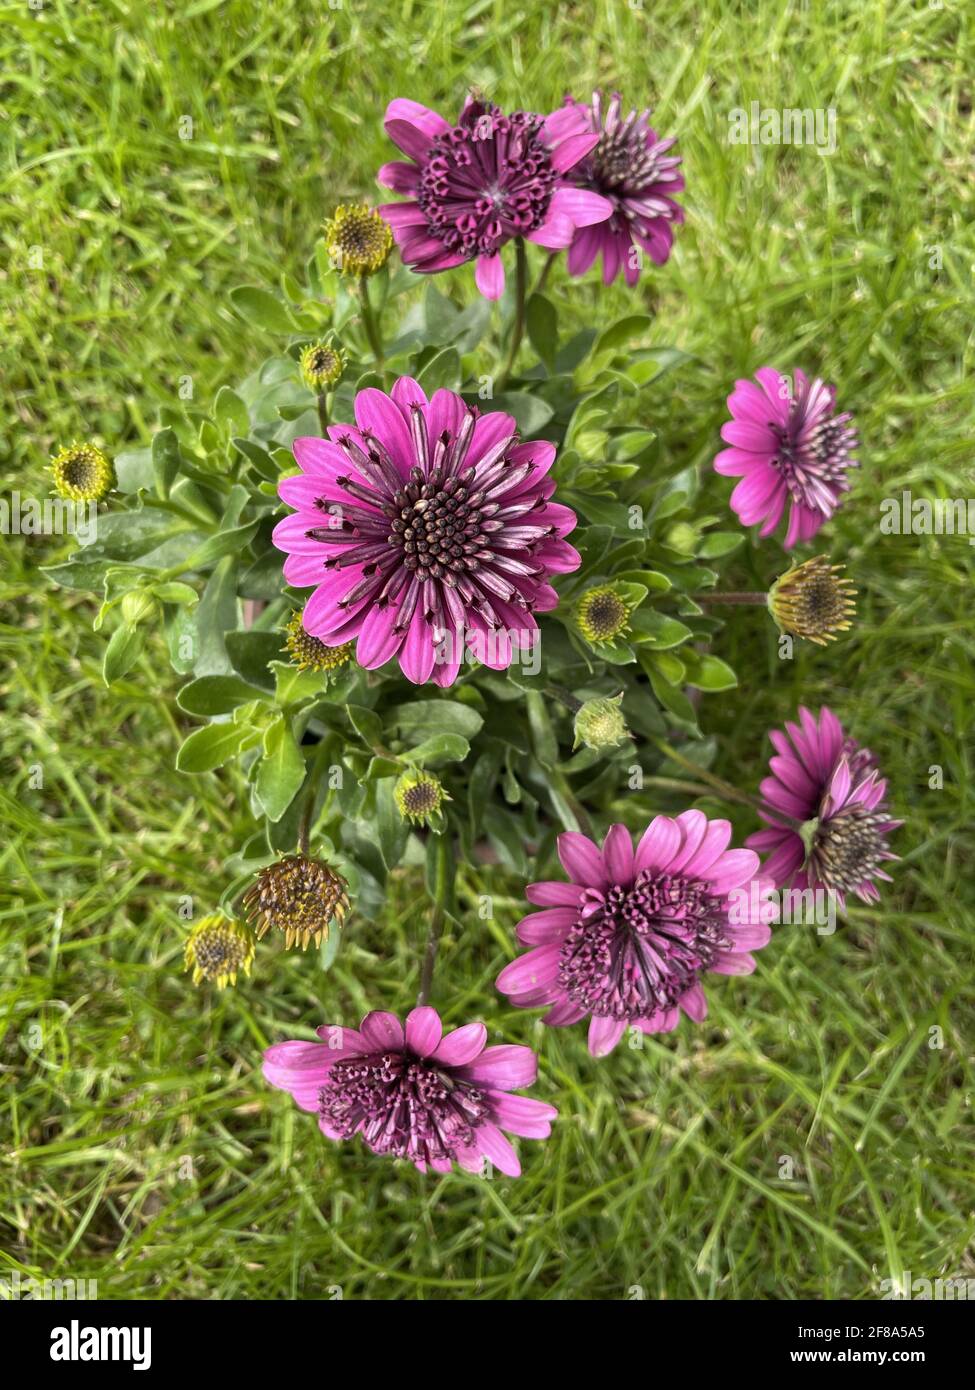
358 240
299 896
419 795
787 445
425 527
475 185
322 365
827 809
599 724
217 948
308 653
82 473
631 167
813 600
602 614
626 941
415 1093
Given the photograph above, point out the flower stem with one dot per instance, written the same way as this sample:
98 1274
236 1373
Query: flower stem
323 412
542 280
430 955
518 327
369 322
730 598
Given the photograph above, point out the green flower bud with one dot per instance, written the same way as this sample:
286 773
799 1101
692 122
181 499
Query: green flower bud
600 725
419 796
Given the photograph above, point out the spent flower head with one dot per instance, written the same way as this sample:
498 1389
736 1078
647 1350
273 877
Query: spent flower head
358 240
813 600
299 896
217 948
82 473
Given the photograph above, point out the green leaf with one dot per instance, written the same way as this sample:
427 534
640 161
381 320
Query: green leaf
543 328
531 412
122 652
442 371
166 460
658 630
215 615
391 829
720 543
230 542
711 673
441 748
212 746
251 653
128 535
231 411
134 471
622 331
292 685
422 718
281 770
216 695
366 723
262 309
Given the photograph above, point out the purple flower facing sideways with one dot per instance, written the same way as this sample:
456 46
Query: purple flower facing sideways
475 185
833 800
787 445
626 941
632 168
415 1092
427 529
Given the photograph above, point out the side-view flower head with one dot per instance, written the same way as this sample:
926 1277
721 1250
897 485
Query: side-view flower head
475 185
427 529
827 811
626 941
633 169
416 1092
788 444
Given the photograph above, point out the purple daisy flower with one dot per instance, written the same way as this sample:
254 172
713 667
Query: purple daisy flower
828 789
631 168
475 185
627 939
415 1093
426 527
787 442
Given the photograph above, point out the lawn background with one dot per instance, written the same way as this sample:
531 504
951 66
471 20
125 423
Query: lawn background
139 1145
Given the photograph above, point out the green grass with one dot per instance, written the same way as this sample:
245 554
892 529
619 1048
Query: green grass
140 1146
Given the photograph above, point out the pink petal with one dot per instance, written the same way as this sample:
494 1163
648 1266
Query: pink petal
383 1031
489 276
581 860
423 1031
462 1045
604 1034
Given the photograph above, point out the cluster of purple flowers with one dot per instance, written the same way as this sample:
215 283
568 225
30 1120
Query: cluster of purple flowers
427 528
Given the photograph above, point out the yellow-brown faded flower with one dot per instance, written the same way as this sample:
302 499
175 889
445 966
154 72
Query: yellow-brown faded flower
298 896
82 473
813 600
358 240
322 365
309 653
217 948
419 796
602 614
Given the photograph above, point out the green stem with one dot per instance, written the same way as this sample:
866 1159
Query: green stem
430 956
323 413
542 280
731 598
369 322
729 792
518 327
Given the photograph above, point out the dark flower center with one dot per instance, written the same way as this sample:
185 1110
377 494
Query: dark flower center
403 1105
642 947
811 459
486 180
848 849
